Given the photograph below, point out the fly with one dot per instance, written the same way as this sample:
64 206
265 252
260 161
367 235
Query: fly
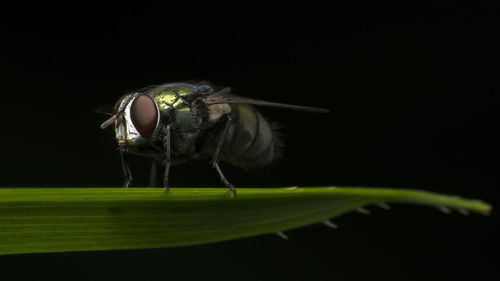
176 122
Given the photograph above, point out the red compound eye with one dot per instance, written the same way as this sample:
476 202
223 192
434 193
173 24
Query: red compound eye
144 115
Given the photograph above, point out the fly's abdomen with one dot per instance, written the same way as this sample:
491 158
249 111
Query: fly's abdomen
251 142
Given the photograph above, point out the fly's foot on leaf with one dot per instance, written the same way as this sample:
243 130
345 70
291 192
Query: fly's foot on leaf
233 191
127 182
223 179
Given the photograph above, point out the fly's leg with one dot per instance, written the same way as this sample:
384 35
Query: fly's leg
126 170
215 157
215 164
166 146
152 174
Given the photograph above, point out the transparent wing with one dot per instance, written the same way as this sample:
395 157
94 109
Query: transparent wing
224 96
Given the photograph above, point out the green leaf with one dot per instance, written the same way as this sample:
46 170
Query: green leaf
85 219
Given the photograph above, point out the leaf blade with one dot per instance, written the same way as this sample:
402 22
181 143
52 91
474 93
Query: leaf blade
83 219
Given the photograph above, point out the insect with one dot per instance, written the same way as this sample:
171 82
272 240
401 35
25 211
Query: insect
175 122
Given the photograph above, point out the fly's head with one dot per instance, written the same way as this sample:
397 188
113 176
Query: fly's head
136 117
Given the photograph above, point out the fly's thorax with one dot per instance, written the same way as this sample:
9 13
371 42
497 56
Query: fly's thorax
183 132
174 110
172 98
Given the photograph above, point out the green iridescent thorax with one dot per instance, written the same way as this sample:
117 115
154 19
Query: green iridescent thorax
171 98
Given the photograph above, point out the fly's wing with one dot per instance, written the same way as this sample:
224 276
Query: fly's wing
224 96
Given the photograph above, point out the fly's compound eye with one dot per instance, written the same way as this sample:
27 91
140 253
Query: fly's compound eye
144 115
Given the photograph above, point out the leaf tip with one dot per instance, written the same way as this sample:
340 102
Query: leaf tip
486 208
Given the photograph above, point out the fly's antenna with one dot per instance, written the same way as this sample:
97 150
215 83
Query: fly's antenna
109 122
104 109
117 116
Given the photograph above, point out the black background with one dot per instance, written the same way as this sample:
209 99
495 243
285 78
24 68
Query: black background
414 100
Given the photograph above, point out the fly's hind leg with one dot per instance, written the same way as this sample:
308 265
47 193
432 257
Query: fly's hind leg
126 170
215 164
215 158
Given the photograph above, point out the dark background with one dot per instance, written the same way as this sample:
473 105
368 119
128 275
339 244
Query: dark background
414 98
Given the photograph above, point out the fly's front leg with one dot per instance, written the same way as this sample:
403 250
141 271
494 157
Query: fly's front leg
215 157
166 146
126 170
